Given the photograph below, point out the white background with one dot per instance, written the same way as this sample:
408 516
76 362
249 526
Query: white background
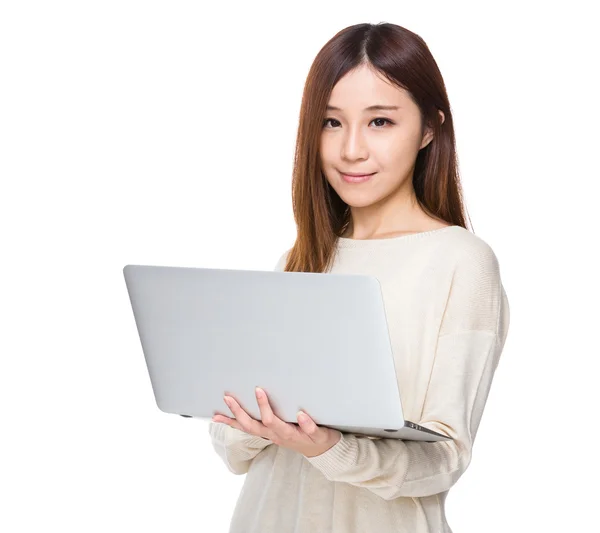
162 133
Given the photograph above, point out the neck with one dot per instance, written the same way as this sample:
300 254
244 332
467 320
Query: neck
392 215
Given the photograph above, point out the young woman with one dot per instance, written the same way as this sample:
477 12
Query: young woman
376 191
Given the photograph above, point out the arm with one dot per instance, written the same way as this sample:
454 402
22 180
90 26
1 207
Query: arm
236 448
470 342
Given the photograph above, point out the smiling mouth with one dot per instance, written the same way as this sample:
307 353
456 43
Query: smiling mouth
356 174
356 178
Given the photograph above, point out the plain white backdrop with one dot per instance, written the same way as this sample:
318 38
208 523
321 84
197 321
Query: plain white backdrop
163 133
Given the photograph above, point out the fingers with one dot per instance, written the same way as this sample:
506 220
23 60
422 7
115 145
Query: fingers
271 426
245 421
232 422
308 426
282 429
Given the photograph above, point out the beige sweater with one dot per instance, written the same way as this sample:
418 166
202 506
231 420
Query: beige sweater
448 317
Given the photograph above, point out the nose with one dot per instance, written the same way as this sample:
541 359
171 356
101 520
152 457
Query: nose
353 145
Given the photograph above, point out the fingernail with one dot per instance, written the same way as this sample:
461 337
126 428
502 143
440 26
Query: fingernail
228 401
259 392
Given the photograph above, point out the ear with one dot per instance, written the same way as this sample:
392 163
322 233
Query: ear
429 132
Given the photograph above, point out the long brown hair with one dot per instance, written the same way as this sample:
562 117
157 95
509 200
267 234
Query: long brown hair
405 60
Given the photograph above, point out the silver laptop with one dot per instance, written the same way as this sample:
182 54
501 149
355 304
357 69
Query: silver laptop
311 340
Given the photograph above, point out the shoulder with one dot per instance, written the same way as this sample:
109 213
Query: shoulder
472 253
476 297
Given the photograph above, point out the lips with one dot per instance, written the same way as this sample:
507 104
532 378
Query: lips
355 177
357 174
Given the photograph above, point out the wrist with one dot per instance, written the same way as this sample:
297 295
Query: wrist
336 436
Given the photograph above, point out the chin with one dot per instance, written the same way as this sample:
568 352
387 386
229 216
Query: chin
354 196
358 200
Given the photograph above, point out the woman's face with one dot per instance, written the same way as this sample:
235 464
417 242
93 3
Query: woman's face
382 142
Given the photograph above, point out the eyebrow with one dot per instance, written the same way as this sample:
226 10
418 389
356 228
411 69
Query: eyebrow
377 107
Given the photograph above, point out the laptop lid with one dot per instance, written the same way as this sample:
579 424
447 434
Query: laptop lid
316 342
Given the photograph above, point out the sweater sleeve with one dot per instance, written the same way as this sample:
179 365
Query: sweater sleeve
470 341
236 448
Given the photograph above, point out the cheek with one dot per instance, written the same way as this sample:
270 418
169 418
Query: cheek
397 151
397 157
326 152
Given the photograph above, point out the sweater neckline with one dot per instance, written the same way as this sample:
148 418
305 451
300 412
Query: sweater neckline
346 242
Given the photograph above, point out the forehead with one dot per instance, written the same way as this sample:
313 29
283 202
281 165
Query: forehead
363 87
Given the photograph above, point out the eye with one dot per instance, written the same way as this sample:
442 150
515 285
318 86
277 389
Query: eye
327 120
384 119
332 120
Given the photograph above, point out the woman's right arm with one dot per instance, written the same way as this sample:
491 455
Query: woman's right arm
235 447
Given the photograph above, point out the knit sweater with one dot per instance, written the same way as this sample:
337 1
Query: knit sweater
448 318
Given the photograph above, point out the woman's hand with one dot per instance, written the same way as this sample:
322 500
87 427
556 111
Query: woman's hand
308 439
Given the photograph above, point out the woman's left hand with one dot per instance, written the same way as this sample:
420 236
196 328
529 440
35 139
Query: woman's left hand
307 438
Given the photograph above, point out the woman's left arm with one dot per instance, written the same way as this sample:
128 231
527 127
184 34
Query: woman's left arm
470 342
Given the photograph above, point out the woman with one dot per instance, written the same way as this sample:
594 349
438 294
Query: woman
376 191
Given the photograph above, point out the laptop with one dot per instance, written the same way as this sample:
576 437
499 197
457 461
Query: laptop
310 340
